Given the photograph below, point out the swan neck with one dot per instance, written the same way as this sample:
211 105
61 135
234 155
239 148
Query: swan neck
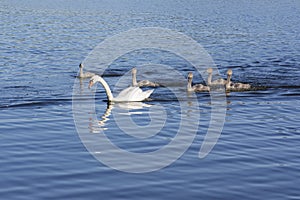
106 88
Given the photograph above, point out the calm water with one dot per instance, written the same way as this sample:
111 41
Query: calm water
42 156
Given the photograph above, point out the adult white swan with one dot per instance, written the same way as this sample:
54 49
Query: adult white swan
219 81
235 86
126 95
143 83
197 87
82 74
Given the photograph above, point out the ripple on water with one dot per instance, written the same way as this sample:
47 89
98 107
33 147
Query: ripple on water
42 155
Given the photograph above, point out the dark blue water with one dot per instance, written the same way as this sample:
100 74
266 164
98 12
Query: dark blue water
257 155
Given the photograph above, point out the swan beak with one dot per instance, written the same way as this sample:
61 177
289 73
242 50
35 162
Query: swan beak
91 84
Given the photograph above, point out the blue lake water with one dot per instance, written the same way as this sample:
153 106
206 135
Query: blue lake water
42 155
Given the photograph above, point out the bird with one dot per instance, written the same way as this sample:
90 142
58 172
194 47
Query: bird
129 94
86 74
231 86
197 87
143 83
217 82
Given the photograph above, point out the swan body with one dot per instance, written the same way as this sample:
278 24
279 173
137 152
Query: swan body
86 74
235 86
197 87
127 95
143 83
219 81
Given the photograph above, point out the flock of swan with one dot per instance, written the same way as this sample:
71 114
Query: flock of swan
135 94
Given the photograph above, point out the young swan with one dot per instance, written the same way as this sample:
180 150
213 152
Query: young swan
235 86
84 75
197 87
219 81
127 95
143 83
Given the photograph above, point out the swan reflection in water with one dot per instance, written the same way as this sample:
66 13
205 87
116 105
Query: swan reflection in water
123 108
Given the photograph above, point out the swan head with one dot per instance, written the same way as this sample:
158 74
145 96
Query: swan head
93 80
80 65
229 72
209 70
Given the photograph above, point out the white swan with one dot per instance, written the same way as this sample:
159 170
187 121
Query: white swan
143 83
84 75
197 87
126 95
219 81
235 86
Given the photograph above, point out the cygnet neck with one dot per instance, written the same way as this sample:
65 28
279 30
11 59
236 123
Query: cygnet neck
134 82
189 85
209 78
228 82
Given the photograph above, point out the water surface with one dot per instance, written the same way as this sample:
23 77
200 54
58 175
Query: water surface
257 155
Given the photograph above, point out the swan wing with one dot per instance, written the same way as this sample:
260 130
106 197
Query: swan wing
139 95
125 95
126 92
132 94
147 93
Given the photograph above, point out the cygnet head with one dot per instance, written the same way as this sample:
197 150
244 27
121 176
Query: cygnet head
133 71
190 75
93 80
229 72
209 70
